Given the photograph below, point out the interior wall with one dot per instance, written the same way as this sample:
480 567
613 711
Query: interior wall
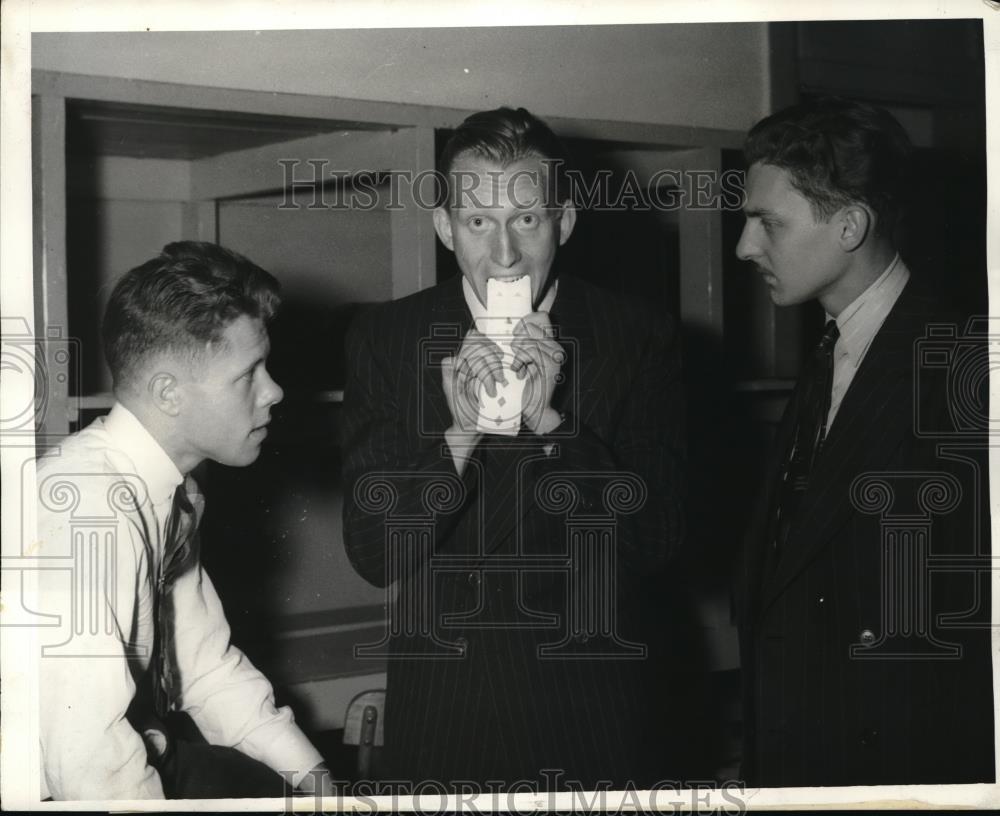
708 75
120 212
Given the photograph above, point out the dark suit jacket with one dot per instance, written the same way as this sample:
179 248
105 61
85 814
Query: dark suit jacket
472 693
816 712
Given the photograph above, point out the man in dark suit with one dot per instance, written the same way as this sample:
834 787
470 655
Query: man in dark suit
865 597
514 649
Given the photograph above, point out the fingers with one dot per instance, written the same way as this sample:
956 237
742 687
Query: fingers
482 365
486 369
545 353
535 320
449 381
538 328
461 393
479 361
470 388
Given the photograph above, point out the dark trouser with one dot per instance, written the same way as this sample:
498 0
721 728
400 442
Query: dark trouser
198 771
190 768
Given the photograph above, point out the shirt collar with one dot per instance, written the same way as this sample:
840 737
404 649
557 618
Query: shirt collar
479 311
864 316
151 462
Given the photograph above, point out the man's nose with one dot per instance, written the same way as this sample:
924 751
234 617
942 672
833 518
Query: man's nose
271 393
506 252
747 247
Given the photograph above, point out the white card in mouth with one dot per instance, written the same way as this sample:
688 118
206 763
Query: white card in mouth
507 301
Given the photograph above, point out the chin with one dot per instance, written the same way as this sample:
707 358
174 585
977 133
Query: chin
252 457
241 460
784 299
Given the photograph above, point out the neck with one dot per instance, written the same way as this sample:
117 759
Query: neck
161 427
864 266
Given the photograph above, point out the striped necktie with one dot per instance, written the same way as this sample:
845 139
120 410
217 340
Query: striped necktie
180 554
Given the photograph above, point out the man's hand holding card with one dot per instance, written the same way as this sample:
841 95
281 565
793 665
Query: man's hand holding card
538 360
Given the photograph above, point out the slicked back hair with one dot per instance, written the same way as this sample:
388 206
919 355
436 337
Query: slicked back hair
838 152
180 302
504 136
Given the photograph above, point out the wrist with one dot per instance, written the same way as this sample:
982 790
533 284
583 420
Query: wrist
549 421
461 444
456 435
317 781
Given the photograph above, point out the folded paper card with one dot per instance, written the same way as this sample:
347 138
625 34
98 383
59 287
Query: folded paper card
507 301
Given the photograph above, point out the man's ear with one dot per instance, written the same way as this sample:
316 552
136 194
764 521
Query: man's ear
164 393
855 222
567 220
442 226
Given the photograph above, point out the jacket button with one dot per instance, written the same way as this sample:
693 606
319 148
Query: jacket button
581 637
474 579
462 644
868 737
867 637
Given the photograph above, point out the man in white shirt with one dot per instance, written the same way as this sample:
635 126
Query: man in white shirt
143 632
851 674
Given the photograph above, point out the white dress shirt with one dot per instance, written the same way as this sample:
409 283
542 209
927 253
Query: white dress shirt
858 323
104 496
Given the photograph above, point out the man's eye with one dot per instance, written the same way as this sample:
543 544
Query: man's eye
529 220
477 221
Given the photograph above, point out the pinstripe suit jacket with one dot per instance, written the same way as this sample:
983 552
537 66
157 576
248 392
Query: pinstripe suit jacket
471 694
815 713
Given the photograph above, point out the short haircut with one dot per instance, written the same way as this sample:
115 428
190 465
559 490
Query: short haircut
837 152
181 301
504 136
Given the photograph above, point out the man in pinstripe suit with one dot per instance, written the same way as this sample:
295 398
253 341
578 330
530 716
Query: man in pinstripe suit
865 600
516 659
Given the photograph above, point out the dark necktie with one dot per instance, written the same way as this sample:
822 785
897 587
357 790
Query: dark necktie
811 409
180 554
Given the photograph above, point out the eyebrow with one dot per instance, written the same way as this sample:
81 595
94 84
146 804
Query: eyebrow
247 369
262 360
757 212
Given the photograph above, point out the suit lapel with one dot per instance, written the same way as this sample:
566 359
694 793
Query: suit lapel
758 543
873 420
441 331
574 325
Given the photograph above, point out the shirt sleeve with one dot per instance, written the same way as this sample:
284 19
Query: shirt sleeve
89 749
230 701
